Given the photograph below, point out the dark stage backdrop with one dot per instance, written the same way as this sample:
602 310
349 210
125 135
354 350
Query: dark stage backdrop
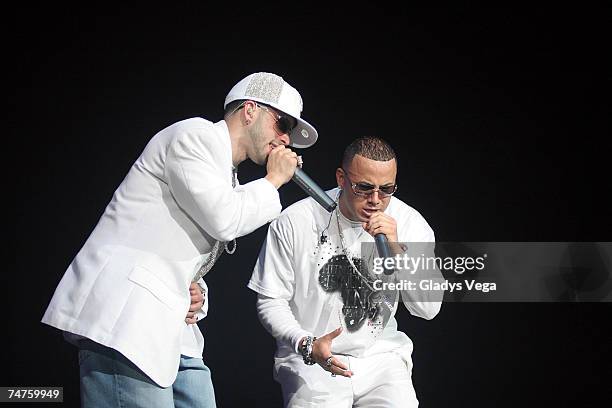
499 118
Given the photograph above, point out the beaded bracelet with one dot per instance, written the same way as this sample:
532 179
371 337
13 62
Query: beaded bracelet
306 350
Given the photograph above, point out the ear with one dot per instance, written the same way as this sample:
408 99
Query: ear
340 177
249 110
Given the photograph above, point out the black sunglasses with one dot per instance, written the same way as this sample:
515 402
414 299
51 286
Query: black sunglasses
366 189
284 123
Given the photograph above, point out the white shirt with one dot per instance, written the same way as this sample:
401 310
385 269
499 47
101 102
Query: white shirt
293 303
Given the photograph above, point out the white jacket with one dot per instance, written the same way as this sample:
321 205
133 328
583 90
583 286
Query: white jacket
128 287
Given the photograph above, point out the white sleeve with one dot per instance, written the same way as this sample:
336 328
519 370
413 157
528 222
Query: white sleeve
200 187
274 274
276 317
421 303
274 280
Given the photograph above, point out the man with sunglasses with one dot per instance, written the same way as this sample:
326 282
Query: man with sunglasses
336 335
131 297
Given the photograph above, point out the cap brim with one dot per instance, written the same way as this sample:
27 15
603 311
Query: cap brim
303 135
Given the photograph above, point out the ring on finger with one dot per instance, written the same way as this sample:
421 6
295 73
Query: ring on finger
328 361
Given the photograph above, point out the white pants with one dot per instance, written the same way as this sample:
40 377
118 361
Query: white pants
382 380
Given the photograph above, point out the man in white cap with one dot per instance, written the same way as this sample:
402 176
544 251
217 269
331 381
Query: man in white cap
131 297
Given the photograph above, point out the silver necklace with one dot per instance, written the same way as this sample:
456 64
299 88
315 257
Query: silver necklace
366 279
216 251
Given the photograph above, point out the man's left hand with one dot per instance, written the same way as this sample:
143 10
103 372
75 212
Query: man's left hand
197 301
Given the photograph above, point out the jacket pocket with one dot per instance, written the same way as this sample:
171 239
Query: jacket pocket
145 278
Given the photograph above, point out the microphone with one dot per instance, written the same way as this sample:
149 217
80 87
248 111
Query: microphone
312 189
382 244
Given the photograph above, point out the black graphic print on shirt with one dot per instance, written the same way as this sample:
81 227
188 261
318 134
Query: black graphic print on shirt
361 303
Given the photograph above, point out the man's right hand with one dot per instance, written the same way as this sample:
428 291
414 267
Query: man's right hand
321 353
281 165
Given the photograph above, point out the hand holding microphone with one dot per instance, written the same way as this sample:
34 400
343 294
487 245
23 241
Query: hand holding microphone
281 165
383 228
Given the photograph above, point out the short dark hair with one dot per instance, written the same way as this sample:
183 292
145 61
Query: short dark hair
231 107
370 147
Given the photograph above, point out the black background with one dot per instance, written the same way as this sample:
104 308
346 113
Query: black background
500 118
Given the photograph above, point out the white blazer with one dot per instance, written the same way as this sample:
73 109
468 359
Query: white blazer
128 287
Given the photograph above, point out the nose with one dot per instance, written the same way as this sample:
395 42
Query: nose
284 139
374 198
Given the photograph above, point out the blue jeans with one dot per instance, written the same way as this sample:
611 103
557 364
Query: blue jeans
108 379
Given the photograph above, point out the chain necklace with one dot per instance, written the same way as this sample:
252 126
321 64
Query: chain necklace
216 251
366 279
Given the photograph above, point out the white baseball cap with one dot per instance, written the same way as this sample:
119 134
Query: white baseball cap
272 90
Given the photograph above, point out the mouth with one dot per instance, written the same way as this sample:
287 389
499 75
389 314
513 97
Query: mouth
370 211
